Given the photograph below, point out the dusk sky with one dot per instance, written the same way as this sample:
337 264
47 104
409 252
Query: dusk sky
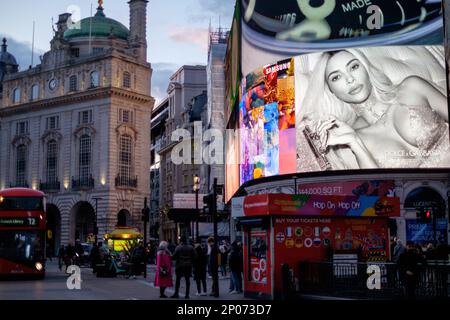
176 31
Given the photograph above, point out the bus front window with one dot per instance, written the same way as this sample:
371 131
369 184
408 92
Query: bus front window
20 246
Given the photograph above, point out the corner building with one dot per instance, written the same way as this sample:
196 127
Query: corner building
76 125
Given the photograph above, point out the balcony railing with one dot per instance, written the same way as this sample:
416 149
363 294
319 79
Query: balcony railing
50 186
126 182
84 183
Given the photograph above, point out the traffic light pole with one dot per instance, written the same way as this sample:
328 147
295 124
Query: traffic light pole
216 237
196 221
145 239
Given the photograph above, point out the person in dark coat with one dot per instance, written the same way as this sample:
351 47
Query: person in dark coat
236 265
409 266
200 269
61 255
184 256
171 246
94 257
213 264
137 257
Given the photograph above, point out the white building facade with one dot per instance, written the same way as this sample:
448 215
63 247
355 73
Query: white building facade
76 126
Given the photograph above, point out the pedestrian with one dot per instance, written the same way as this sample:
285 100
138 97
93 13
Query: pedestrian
184 256
171 246
442 251
200 269
214 265
223 262
61 256
430 252
137 257
236 264
409 266
398 250
69 255
163 275
94 257
393 243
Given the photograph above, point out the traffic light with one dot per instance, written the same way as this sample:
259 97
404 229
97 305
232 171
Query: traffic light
425 214
210 202
146 214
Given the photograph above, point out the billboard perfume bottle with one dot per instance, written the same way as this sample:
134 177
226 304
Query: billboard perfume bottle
317 148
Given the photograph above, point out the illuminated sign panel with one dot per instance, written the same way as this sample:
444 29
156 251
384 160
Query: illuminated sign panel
19 222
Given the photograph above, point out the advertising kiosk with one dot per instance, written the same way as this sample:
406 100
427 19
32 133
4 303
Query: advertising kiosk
284 229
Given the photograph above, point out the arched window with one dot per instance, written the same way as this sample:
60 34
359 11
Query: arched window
52 161
125 162
16 95
73 83
95 79
34 92
21 165
85 158
126 80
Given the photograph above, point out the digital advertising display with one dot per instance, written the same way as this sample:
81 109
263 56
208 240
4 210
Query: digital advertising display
273 30
329 85
374 107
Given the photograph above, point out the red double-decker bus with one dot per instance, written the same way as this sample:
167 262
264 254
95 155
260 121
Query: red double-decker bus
22 232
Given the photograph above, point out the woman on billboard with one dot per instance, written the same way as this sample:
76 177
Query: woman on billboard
384 125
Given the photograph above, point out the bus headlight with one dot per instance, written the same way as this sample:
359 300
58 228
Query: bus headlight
39 266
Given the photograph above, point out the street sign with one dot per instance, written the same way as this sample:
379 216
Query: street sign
187 200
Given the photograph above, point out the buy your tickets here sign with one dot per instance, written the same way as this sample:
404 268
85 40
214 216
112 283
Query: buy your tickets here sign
286 204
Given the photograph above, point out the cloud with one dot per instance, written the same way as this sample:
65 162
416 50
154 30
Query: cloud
190 35
224 8
22 52
160 79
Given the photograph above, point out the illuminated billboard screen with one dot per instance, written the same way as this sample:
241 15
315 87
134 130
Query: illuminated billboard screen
301 109
267 120
276 30
357 108
376 107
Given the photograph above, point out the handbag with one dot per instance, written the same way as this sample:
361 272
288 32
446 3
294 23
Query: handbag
163 271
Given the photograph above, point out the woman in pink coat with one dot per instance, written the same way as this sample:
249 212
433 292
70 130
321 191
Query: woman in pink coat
163 276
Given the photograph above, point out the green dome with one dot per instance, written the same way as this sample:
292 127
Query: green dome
101 27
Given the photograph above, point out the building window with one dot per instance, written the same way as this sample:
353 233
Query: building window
73 83
85 157
126 80
21 165
95 79
34 92
52 161
75 52
125 157
22 127
85 117
97 50
125 116
52 123
16 95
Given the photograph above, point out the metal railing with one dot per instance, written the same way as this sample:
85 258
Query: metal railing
84 183
350 280
50 186
126 182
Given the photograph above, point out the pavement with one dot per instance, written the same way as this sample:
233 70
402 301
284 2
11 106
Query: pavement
54 287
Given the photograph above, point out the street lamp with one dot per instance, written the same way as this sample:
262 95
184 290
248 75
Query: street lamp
196 189
95 218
